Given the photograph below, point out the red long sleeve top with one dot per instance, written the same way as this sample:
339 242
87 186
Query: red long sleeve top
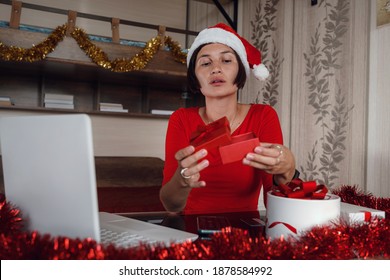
231 187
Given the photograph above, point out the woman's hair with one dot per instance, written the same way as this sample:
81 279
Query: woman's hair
192 81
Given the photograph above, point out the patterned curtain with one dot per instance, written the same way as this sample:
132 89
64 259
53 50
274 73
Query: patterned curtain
317 56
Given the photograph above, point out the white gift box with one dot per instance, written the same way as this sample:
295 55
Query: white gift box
358 214
292 216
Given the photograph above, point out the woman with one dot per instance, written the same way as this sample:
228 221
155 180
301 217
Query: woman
197 182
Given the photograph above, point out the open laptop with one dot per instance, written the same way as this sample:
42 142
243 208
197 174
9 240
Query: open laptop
49 173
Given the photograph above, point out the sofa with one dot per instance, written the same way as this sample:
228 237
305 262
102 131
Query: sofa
125 184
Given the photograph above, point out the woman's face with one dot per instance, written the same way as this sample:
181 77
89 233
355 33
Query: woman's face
216 69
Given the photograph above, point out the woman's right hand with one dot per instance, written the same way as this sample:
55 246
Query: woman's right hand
174 193
190 164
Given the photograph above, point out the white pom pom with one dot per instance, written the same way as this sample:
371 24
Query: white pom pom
261 72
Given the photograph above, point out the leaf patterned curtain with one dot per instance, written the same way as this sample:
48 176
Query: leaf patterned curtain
317 56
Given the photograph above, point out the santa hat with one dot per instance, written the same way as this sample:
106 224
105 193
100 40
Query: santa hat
221 33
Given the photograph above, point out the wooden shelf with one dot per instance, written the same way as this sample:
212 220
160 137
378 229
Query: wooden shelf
70 111
162 63
67 70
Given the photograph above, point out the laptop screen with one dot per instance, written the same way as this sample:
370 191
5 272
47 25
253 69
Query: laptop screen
49 172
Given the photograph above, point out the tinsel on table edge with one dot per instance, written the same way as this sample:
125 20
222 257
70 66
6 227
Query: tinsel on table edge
370 240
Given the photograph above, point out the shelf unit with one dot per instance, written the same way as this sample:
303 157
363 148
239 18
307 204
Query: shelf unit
161 85
26 84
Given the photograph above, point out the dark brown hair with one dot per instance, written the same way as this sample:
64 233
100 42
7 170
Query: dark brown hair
192 81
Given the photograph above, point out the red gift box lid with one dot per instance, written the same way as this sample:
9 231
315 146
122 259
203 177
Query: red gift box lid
238 148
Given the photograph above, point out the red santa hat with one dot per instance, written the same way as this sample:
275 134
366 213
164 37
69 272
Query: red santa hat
223 34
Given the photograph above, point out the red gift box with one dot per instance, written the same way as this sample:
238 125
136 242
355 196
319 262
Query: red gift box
217 135
239 147
358 214
212 135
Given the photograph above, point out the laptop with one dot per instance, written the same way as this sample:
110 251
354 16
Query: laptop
49 174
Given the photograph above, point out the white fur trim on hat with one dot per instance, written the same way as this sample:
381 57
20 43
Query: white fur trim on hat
218 35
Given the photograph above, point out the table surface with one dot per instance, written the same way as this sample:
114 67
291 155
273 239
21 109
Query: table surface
253 221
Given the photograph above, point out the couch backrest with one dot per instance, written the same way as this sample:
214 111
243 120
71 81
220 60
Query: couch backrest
122 172
129 171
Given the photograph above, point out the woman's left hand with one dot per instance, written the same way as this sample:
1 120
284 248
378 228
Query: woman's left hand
275 159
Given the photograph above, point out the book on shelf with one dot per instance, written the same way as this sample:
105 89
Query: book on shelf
59 106
114 110
161 112
112 107
58 101
58 96
5 98
6 101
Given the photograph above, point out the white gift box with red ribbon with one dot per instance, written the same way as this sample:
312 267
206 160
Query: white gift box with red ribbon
358 214
292 216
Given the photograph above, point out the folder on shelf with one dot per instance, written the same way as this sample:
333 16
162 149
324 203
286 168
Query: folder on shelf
59 97
6 101
58 101
161 112
112 107
59 105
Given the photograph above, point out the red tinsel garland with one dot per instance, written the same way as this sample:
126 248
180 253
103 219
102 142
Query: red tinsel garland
355 196
339 241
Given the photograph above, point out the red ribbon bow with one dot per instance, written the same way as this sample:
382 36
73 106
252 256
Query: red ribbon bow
300 189
217 132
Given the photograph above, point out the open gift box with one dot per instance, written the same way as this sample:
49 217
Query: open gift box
290 213
217 135
212 135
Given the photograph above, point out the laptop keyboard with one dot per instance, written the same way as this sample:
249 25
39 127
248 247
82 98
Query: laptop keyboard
123 239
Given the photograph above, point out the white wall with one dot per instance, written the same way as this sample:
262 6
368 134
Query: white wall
170 13
120 136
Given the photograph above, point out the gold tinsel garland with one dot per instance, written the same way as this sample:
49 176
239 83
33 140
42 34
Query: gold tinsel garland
36 52
97 55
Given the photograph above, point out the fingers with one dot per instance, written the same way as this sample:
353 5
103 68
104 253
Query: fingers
190 176
189 166
187 158
275 151
187 172
270 150
182 173
267 156
185 152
